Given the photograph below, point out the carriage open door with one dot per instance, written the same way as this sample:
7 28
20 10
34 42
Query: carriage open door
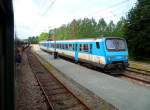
76 50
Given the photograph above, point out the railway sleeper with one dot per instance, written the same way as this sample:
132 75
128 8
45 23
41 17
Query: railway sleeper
66 104
58 97
48 88
57 91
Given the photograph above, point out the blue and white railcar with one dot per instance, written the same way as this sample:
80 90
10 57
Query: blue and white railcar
108 52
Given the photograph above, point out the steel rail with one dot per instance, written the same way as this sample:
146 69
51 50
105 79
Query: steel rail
50 107
136 70
136 78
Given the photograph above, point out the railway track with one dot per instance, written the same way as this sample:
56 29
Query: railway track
140 71
137 74
58 96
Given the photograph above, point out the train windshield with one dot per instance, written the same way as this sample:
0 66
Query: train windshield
115 44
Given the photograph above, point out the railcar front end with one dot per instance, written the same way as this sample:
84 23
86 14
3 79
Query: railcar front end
116 53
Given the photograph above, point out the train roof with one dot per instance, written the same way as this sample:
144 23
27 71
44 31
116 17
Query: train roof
80 40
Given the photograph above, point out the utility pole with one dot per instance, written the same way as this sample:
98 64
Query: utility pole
50 33
54 39
74 29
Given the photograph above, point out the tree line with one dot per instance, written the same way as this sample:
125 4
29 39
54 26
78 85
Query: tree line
88 28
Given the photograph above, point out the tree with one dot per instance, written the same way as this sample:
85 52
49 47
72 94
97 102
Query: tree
101 27
43 36
137 29
110 29
33 40
120 28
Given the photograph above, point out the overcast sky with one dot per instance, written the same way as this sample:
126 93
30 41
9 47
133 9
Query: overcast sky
35 16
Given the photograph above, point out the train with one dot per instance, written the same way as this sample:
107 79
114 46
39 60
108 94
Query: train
107 52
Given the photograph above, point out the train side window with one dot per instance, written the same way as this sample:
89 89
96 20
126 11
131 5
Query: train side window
85 47
97 45
57 46
73 47
66 46
80 47
61 46
70 46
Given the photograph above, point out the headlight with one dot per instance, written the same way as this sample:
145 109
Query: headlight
126 57
109 58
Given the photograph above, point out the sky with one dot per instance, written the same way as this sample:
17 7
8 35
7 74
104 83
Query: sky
35 16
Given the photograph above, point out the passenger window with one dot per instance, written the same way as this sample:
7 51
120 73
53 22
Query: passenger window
63 46
59 45
66 46
80 47
97 45
56 45
85 48
70 47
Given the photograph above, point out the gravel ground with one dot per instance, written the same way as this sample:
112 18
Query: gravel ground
28 95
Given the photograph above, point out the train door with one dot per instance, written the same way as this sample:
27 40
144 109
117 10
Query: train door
76 52
90 51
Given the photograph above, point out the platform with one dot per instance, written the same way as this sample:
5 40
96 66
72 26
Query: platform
121 93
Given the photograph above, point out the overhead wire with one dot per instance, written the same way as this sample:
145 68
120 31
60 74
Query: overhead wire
110 7
51 4
47 9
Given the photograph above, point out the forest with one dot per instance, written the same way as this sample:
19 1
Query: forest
135 28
